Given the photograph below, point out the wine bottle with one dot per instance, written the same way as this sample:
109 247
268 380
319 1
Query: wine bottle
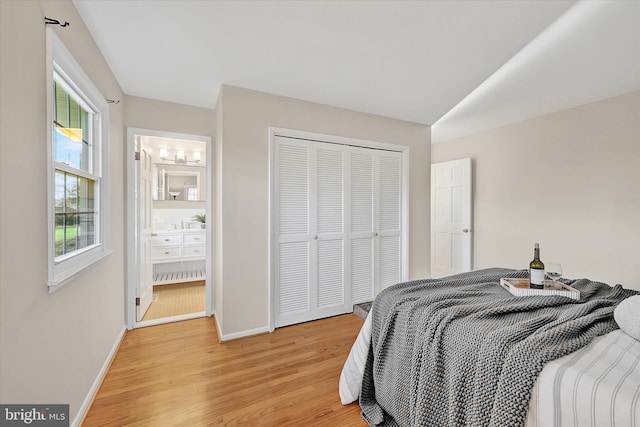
536 270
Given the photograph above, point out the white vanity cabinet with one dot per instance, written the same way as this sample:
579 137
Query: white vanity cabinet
193 245
166 247
178 256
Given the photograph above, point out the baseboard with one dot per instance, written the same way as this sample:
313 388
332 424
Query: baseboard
82 412
242 334
218 327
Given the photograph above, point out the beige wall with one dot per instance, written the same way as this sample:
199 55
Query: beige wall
569 180
51 346
243 173
169 117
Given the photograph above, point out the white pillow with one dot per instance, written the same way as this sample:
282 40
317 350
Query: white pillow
627 315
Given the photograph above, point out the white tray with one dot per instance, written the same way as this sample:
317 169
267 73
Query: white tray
520 288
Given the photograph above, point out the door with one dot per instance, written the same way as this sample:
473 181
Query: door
389 219
338 215
310 229
144 294
362 236
451 217
375 198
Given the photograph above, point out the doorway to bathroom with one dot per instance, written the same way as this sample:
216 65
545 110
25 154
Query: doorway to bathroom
169 201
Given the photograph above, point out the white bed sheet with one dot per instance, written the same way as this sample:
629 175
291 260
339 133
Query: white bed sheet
598 385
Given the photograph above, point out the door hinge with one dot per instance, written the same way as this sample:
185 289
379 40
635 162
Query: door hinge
137 155
137 302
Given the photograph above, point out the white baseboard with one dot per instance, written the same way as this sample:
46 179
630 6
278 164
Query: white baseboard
105 366
242 334
96 384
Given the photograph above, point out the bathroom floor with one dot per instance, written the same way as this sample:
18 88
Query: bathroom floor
176 299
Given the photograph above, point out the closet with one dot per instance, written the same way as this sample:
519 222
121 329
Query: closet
338 226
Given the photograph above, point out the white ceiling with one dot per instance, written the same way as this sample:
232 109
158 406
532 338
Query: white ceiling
410 60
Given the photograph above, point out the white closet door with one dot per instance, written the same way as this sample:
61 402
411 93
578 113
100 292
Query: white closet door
362 236
338 227
375 222
330 229
291 174
311 273
389 219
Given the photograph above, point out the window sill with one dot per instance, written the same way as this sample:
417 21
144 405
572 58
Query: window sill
67 275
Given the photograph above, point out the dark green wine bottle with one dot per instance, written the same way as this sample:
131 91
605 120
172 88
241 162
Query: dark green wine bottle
536 270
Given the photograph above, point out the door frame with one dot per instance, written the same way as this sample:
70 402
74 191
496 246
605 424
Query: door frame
131 282
332 139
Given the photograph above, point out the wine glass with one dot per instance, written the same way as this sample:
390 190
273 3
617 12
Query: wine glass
553 270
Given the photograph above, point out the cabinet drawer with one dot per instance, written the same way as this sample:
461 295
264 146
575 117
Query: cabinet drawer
194 251
167 240
165 253
194 239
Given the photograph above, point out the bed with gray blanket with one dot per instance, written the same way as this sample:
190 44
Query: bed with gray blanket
462 351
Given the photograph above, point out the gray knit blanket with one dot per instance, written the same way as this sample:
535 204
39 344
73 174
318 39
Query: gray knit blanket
463 351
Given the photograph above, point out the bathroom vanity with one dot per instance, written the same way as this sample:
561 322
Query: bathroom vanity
178 256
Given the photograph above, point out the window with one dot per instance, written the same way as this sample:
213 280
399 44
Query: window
78 206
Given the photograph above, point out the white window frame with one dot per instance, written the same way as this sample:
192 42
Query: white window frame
62 67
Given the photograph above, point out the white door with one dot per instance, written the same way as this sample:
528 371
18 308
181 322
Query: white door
362 236
145 228
310 230
375 195
338 234
451 217
389 219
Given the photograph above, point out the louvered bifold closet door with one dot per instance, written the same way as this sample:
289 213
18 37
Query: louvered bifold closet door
330 230
310 258
338 227
362 234
292 186
389 219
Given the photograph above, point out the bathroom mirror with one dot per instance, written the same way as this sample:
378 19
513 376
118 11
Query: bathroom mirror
180 183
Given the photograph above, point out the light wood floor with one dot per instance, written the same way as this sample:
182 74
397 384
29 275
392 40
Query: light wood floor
176 299
178 374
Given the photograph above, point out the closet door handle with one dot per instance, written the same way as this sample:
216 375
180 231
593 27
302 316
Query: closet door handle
315 237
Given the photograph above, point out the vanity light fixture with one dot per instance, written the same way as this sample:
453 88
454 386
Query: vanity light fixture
180 158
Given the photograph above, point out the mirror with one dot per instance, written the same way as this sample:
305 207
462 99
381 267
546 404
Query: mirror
183 183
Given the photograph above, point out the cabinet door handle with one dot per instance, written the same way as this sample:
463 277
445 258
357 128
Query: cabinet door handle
167 240
167 253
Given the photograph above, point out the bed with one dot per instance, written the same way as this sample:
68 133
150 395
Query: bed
463 351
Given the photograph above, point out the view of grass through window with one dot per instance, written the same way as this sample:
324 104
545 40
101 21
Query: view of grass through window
74 193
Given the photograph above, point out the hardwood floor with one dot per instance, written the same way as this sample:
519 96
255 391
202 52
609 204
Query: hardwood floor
178 374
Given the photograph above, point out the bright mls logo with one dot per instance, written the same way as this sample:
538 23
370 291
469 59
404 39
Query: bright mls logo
34 415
